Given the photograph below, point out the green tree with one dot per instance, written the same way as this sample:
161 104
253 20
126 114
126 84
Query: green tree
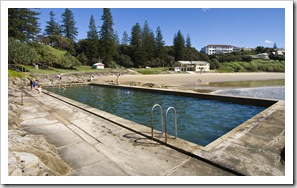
52 27
23 24
260 49
45 56
125 39
274 46
188 41
91 49
179 46
62 43
92 34
117 39
82 58
68 25
107 37
137 53
160 46
148 42
135 39
68 61
125 61
21 52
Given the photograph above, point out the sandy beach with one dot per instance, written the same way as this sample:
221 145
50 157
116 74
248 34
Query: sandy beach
179 80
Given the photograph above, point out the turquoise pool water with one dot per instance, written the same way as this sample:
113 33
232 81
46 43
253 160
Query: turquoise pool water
198 120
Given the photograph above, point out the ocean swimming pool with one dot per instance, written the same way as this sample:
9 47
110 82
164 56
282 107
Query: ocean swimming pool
200 121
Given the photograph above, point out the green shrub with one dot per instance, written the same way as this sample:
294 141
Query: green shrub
20 52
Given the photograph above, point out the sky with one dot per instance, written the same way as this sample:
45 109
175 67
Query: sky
241 27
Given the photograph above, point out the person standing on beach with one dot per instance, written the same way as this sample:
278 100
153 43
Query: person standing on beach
117 80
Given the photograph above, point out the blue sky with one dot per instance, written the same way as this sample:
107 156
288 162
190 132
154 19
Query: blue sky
242 27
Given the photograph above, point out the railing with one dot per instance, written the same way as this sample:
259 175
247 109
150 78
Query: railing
164 127
166 124
152 118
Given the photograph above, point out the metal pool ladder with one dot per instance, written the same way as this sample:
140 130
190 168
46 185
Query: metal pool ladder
152 118
164 127
166 124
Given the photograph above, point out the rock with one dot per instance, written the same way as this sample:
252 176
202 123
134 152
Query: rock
29 155
34 155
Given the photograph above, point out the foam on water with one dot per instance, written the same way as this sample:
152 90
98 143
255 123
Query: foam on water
276 92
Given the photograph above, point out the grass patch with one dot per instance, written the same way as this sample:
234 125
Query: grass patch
16 74
78 69
158 70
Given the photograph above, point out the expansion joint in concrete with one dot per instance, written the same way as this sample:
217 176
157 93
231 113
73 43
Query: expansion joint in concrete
169 172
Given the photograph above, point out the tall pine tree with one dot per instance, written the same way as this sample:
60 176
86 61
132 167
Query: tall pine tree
92 51
160 45
135 39
92 34
68 25
116 37
178 46
188 42
138 55
125 39
23 24
148 42
107 37
52 27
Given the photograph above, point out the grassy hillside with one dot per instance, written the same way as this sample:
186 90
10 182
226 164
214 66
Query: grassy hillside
54 51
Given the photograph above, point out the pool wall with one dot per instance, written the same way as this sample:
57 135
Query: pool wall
234 99
177 144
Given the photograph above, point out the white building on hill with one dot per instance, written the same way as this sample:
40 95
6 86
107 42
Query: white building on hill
219 49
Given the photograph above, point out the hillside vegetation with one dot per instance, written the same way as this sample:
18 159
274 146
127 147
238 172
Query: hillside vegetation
59 47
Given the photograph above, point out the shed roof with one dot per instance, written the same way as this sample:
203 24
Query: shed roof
99 64
200 62
193 62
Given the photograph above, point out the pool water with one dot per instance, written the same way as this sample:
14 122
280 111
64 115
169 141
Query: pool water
198 120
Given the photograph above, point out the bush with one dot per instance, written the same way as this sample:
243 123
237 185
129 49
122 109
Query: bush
20 52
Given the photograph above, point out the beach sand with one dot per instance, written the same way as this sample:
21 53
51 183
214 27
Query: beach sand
180 80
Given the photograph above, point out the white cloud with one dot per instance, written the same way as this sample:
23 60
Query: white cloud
205 9
268 42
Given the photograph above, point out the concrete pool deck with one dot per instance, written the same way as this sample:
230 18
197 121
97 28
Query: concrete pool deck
96 143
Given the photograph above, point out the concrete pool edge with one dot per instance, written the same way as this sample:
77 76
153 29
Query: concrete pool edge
190 93
245 126
176 143
179 144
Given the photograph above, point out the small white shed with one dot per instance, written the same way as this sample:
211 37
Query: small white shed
98 66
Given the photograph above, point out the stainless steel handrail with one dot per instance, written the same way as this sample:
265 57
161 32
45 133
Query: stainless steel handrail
166 124
152 118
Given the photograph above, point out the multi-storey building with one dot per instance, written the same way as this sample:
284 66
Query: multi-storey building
219 49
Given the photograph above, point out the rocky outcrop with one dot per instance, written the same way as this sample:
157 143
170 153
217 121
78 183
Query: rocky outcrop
53 79
29 155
